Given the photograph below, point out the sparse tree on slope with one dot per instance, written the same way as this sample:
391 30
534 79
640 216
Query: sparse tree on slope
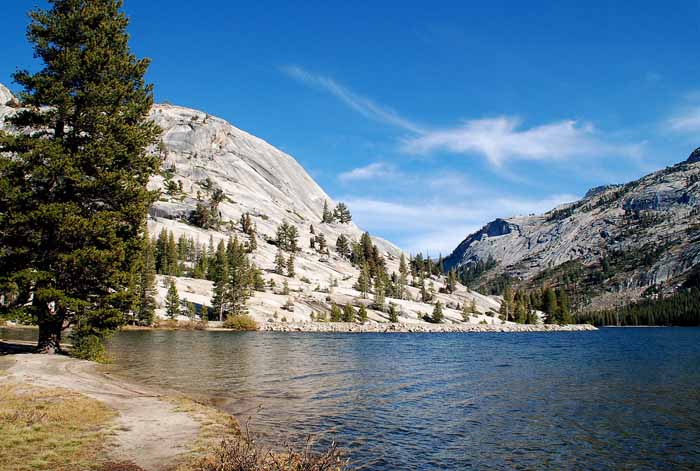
362 314
438 315
172 301
348 313
290 266
342 214
342 246
73 196
280 263
403 277
393 313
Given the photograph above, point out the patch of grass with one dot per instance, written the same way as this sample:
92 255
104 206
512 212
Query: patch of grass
52 429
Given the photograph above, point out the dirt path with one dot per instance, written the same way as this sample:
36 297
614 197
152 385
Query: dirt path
148 431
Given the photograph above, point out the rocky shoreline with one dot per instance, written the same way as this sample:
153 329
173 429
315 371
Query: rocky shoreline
376 327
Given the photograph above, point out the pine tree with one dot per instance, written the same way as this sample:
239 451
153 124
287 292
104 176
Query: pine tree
246 224
379 296
472 307
280 263
146 283
465 313
322 247
73 196
336 313
564 312
451 283
362 314
257 280
220 279
403 277
521 313
363 281
437 316
290 266
424 295
173 268
342 214
327 216
342 246
393 313
252 242
238 288
348 313
162 252
550 306
172 301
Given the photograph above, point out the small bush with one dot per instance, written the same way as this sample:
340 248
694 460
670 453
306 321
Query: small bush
243 454
88 347
240 322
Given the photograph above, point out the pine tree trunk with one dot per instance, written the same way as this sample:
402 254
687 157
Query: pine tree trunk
49 339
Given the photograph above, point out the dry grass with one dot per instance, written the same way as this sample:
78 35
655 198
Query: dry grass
50 429
244 454
215 426
223 446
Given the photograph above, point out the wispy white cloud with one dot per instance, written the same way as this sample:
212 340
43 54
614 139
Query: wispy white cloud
438 226
372 171
361 104
685 121
502 138
497 139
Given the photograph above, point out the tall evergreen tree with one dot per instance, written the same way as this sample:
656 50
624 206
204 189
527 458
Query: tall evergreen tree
336 313
291 272
342 246
393 313
550 306
172 301
341 213
362 314
379 295
239 281
451 283
327 216
280 263
438 315
465 313
363 281
348 313
146 302
403 277
73 196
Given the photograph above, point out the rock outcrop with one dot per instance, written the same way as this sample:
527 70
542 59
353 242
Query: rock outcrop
611 246
201 153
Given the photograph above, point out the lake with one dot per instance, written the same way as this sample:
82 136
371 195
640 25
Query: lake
619 398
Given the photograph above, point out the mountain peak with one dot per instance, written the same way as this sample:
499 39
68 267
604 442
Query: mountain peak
694 156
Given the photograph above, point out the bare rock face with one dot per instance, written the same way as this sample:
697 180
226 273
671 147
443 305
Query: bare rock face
616 242
199 150
201 153
6 95
694 157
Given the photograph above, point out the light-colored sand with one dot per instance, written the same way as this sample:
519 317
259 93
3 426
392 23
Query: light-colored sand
148 430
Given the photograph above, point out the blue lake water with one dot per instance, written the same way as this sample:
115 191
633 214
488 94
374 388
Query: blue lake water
618 399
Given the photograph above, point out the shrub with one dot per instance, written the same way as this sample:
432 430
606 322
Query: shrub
88 347
243 454
240 322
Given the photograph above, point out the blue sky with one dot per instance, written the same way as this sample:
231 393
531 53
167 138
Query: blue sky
430 119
